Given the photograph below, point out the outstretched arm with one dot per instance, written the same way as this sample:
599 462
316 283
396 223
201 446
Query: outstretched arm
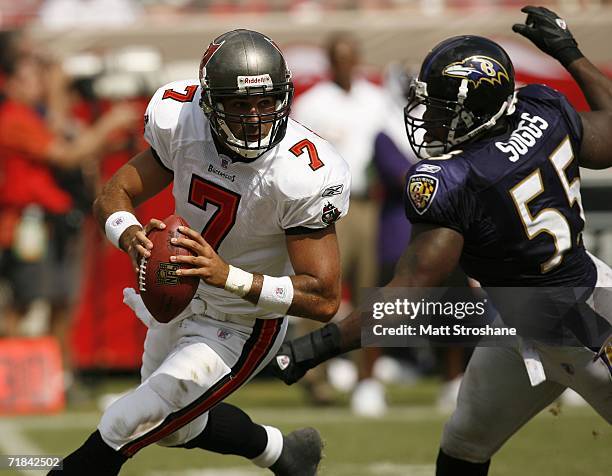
597 124
431 256
550 33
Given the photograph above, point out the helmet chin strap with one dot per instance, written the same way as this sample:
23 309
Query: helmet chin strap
507 108
461 97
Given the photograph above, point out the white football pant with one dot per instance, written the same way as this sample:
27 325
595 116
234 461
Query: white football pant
188 366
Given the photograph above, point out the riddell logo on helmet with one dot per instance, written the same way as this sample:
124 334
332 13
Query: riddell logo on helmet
263 80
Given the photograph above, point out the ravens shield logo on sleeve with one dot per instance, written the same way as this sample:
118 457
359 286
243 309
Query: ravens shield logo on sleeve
421 191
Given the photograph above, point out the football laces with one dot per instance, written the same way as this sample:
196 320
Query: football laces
142 271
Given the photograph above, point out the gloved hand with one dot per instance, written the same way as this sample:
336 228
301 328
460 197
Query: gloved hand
549 32
296 357
285 367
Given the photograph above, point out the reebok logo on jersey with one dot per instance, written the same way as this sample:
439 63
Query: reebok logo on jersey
333 190
421 191
220 173
430 169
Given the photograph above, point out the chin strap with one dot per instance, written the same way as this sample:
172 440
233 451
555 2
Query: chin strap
507 108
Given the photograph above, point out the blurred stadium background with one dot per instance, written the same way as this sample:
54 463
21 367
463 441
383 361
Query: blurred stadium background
63 359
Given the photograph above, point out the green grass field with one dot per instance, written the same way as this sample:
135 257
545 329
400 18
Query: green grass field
565 442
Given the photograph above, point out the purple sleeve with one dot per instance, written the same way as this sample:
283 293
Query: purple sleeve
441 197
390 163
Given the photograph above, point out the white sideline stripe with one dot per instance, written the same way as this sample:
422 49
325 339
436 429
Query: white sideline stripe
14 442
373 469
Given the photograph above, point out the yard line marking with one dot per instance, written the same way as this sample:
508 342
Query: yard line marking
14 442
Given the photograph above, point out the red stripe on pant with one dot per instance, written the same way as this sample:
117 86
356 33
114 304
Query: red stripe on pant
260 349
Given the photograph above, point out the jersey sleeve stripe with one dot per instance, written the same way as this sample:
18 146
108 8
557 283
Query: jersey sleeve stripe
302 230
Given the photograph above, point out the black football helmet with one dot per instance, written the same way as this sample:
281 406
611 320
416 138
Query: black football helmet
243 63
465 85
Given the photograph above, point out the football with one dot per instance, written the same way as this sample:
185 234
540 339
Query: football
164 293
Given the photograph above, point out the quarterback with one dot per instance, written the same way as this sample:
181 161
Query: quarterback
261 194
498 193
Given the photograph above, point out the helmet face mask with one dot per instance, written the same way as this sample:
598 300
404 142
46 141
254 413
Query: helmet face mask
245 67
466 84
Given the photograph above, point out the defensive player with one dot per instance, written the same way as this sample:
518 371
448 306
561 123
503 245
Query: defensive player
261 194
500 196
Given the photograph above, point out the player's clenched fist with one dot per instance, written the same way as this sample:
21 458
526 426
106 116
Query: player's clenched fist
549 32
206 264
134 241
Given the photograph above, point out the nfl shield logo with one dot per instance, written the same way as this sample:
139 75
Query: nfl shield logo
224 162
283 361
223 334
421 191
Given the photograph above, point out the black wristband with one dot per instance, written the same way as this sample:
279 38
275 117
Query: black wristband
318 346
326 343
568 55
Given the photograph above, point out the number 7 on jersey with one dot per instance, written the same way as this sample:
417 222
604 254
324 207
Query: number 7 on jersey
203 192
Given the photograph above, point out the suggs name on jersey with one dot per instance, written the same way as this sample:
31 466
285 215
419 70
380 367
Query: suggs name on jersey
220 173
525 136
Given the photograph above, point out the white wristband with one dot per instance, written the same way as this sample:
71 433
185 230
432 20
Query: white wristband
276 294
117 223
238 281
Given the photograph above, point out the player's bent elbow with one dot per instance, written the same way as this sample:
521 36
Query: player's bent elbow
327 309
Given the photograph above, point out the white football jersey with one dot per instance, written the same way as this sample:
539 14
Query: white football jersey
243 209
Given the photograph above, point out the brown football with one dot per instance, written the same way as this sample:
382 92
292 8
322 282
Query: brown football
164 293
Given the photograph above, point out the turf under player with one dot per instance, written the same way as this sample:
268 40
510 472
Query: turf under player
498 194
251 183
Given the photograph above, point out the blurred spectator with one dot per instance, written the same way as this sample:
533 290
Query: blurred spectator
349 111
61 14
35 212
392 158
